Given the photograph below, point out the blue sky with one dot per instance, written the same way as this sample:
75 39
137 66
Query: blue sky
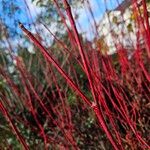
98 7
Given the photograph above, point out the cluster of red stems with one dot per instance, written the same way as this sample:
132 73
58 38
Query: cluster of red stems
116 95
